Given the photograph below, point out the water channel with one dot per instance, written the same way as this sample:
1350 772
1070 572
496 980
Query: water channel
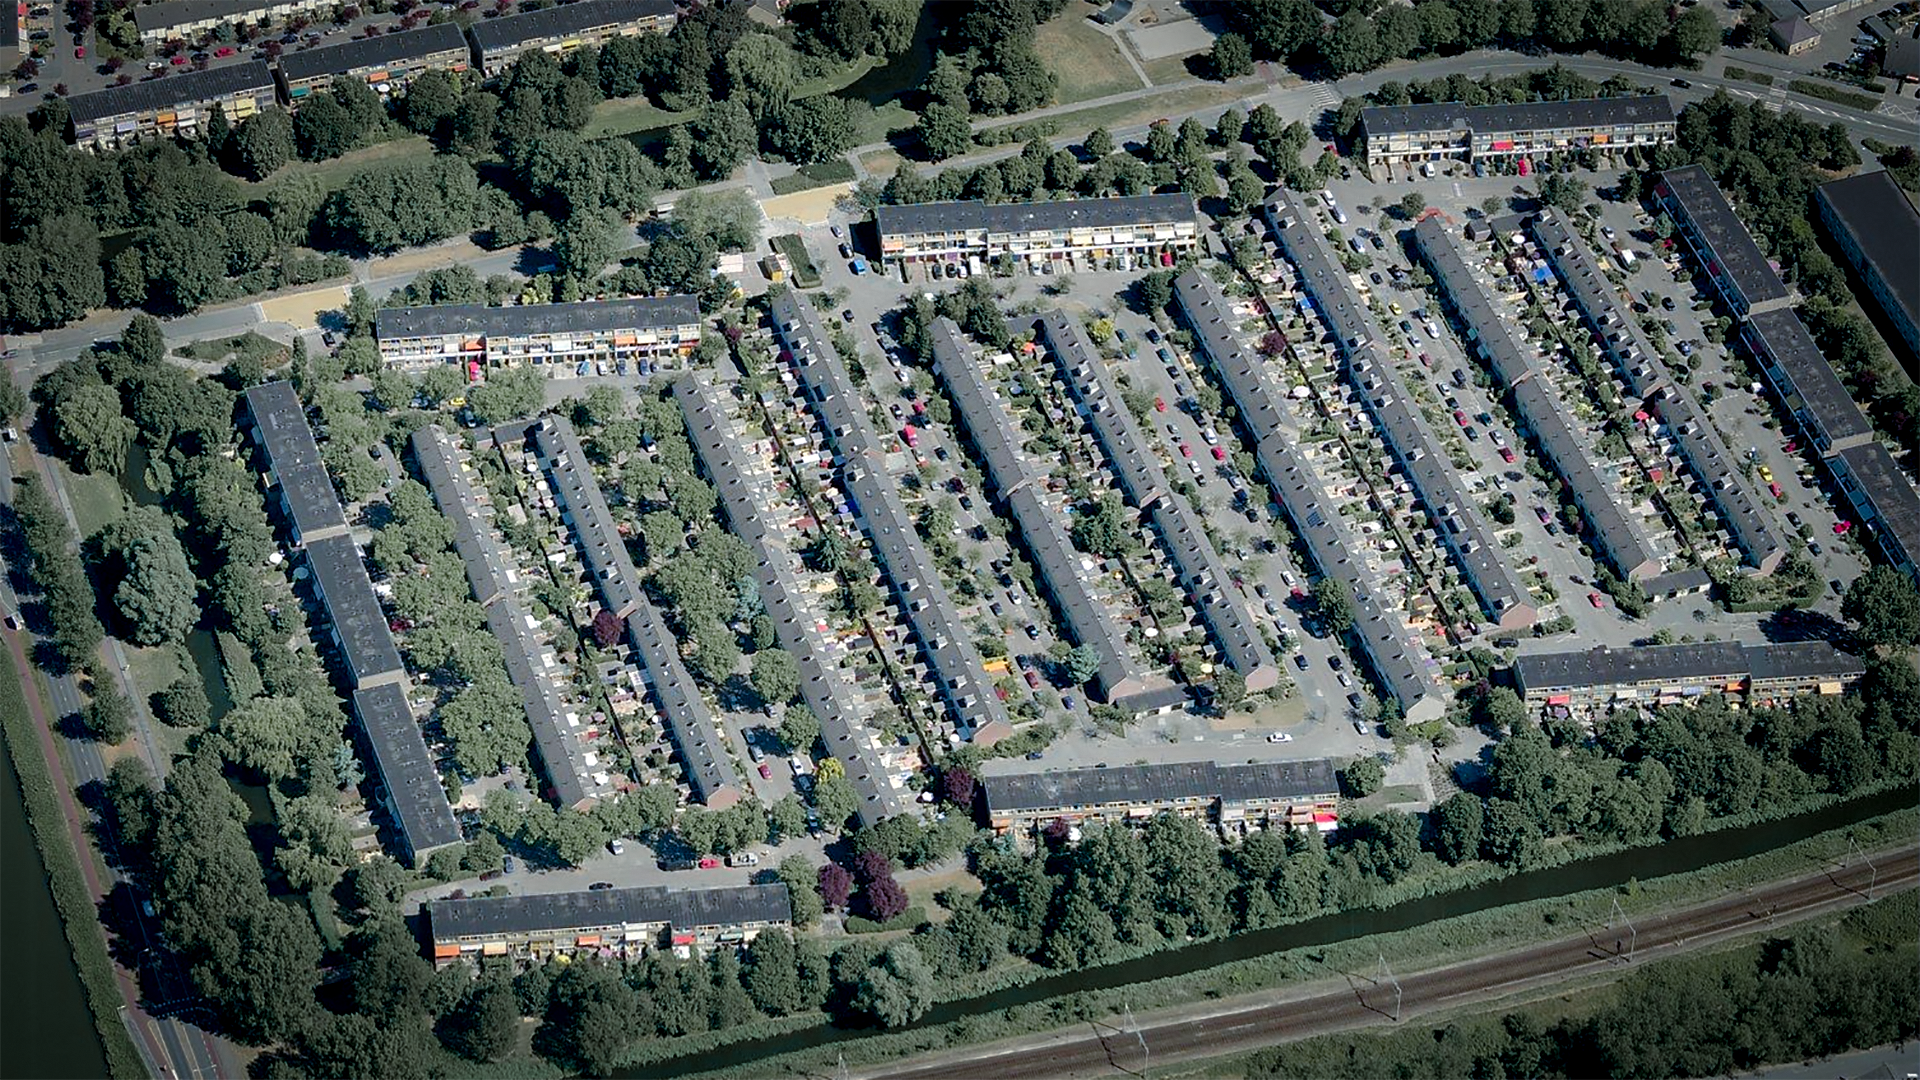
1604 871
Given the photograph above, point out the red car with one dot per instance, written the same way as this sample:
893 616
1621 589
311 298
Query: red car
708 862
1186 450
224 50
1219 454
178 61
1033 678
1594 599
1460 417
1778 491
1159 404
766 771
80 53
1506 454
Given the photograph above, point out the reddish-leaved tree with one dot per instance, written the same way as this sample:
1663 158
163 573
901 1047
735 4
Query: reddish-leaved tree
606 628
885 899
836 885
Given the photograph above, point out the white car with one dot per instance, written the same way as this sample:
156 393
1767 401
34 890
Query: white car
1280 736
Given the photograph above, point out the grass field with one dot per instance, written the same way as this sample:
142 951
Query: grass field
98 499
624 116
333 175
217 350
1171 69
154 669
1088 62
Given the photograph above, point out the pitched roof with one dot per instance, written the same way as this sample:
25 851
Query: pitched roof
158 95
525 320
562 19
400 756
373 52
970 215
681 909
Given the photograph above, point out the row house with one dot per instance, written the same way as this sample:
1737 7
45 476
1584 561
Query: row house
386 63
563 28
1095 228
1431 132
1298 794
1676 674
612 923
186 20
177 105
556 339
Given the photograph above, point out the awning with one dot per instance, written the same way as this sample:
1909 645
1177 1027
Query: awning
587 940
683 939
445 952
1560 699
494 948
1501 144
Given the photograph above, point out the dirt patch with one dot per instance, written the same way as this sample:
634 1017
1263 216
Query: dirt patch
302 309
807 207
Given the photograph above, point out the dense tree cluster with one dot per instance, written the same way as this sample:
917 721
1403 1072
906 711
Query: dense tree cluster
985 64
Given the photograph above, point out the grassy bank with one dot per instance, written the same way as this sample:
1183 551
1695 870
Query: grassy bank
1428 945
64 880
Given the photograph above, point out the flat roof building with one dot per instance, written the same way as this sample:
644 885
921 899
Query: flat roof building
1878 230
387 62
1505 599
1063 570
1616 533
1736 265
302 489
174 105
1395 654
624 923
1675 674
186 19
744 485
1885 501
1202 573
410 786
562 28
554 338
947 231
952 661
1301 794
1404 133
1805 382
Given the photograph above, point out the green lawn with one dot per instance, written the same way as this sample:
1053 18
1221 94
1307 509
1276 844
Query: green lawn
98 499
624 116
836 171
154 669
1172 69
1087 62
217 350
333 175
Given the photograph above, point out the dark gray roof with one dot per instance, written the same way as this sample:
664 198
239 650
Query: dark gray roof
680 909
157 95
689 722
586 316
281 421
1703 662
578 494
1397 659
373 52
1728 244
560 756
1167 782
181 12
1891 494
823 686
1885 227
951 658
892 220
1540 408
1455 514
998 444
1528 116
1202 572
491 567
400 758
1639 364
1812 387
1795 30
10 31
358 621
560 20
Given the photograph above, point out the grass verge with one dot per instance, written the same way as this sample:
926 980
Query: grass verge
64 880
98 499
1087 62
836 171
906 920
1744 75
249 345
1834 94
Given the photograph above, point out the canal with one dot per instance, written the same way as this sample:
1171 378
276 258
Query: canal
1603 871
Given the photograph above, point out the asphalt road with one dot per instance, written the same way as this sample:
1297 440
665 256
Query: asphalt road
1111 1047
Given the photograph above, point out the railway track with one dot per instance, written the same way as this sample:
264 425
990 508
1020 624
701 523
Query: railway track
1107 1049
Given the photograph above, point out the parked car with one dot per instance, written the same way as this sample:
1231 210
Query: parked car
1032 630
1279 737
1033 678
708 862
600 886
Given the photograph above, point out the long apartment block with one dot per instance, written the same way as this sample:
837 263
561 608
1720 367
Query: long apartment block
162 108
1397 658
683 712
1202 572
625 923
1100 228
1804 381
562 28
1618 331
553 338
952 661
1018 485
1370 370
1298 794
1876 227
575 771
743 484
1671 674
1617 535
1884 500
1734 263
386 63
174 20
1431 132
396 750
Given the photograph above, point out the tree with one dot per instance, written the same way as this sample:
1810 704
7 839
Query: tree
898 988
1884 608
108 716
772 975
944 130
814 129
157 593
263 144
584 244
1335 603
88 423
1563 191
884 898
1503 709
433 97
1099 143
1232 56
1081 664
1511 838
1229 687
184 704
1412 203
775 677
406 204
142 341
1362 777
799 728
803 889
485 1026
835 886
1456 827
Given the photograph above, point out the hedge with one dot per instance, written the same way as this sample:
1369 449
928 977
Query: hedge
805 274
906 920
1833 94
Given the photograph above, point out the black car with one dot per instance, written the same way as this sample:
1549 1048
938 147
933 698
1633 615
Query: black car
600 886
1033 632
1300 661
1377 279
847 316
1354 700
1683 84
